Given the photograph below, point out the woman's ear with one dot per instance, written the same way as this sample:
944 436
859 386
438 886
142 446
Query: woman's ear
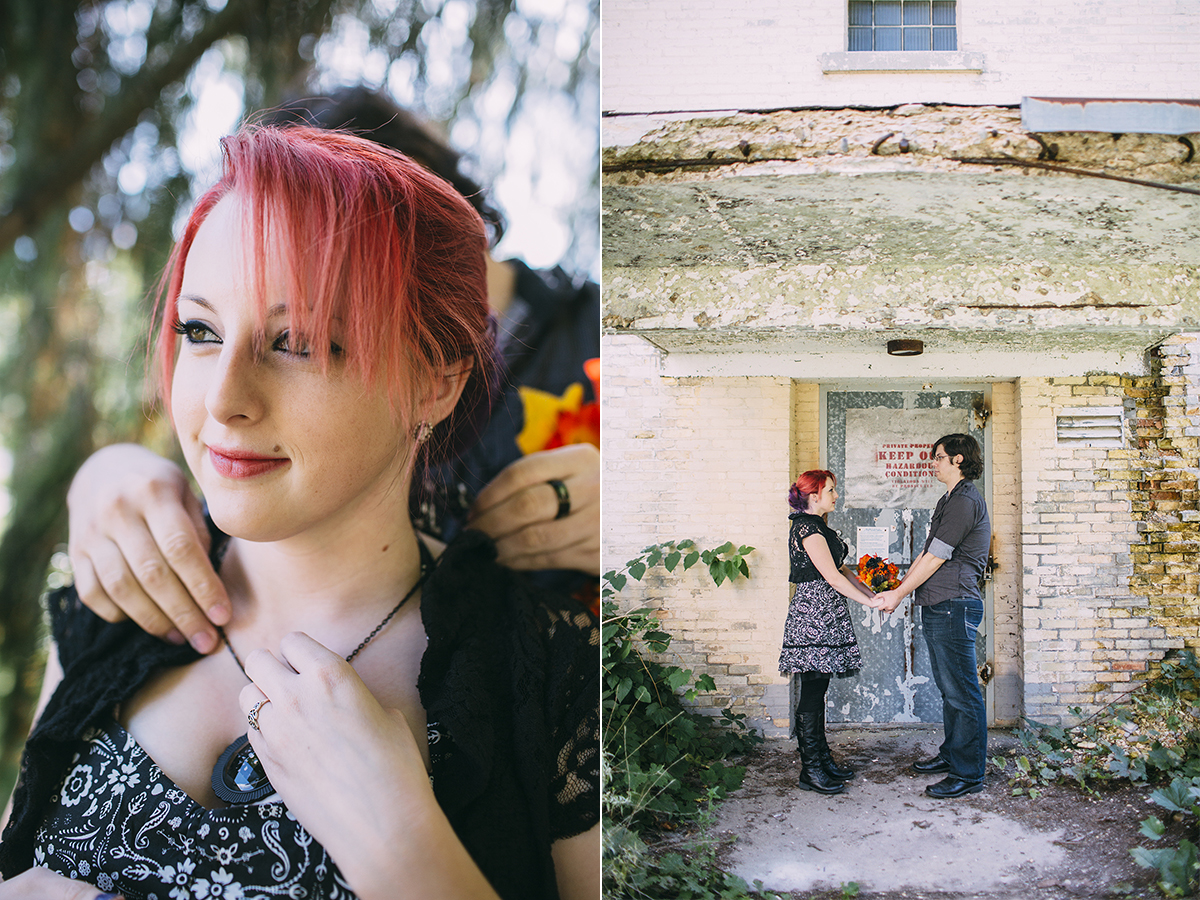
445 390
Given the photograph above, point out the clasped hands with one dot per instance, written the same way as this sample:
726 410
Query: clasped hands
885 601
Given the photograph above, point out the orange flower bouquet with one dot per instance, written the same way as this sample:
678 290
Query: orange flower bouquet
877 573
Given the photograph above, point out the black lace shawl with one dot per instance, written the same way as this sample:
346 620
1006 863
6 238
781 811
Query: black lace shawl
511 678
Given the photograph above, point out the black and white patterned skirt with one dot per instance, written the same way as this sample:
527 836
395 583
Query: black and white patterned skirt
818 636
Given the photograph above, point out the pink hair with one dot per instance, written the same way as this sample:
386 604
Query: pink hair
369 238
807 485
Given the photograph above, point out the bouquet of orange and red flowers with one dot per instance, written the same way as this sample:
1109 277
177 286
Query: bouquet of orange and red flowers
877 573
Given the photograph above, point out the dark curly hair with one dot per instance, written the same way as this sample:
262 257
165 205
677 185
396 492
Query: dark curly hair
968 448
374 115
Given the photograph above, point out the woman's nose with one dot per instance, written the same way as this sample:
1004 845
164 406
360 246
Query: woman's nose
234 391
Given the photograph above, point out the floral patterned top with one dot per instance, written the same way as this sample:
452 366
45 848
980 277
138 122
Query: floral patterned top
123 825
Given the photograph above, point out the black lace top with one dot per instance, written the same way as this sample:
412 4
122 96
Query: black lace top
510 679
804 525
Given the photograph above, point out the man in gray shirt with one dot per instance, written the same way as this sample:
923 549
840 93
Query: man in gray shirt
945 577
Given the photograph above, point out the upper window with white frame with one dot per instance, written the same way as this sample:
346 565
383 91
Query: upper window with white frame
903 25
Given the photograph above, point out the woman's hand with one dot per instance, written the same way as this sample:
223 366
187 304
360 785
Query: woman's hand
887 601
518 508
352 773
139 547
42 884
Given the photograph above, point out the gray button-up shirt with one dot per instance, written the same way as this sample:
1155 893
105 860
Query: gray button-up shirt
961 534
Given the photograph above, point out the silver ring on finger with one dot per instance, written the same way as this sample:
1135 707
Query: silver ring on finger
564 498
252 716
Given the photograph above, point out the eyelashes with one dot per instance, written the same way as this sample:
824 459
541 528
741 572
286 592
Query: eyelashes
196 332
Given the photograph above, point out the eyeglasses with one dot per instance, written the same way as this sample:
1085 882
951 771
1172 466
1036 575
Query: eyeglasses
941 457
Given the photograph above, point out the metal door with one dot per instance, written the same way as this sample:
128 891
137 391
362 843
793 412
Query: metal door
878 445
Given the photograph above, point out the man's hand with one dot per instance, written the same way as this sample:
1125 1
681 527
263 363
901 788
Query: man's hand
887 601
139 547
517 510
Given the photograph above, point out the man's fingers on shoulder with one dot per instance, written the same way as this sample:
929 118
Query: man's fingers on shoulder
93 596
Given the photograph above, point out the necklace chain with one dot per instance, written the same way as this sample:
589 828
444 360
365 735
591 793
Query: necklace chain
426 568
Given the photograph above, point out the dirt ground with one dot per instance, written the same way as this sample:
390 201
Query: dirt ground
895 842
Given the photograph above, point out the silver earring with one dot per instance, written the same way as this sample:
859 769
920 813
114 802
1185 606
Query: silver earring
422 432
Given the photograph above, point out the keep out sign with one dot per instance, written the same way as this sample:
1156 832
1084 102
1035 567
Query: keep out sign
889 458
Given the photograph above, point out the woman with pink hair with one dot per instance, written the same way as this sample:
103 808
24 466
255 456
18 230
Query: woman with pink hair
818 636
394 716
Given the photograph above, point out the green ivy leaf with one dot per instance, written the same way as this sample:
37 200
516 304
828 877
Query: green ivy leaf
672 560
658 641
1176 797
623 689
690 560
1153 828
637 570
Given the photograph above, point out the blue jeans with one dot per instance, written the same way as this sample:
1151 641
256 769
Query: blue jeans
950 628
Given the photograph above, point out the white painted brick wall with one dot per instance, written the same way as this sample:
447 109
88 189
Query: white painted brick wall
665 55
707 459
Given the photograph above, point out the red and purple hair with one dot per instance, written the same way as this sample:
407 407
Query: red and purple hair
360 234
807 485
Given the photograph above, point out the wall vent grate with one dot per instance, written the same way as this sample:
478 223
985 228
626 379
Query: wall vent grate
1101 426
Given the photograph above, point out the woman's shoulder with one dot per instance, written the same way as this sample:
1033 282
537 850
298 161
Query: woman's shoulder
807 523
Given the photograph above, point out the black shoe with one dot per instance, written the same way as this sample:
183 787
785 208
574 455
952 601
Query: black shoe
953 786
815 779
931 766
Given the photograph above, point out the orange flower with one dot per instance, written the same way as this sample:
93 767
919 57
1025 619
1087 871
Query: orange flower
552 421
877 573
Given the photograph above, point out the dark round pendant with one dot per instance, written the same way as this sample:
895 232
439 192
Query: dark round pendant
238 776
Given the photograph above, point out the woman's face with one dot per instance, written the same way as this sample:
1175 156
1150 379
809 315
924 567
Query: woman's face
278 446
826 499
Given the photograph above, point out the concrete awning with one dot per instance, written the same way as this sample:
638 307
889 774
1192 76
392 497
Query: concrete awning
779 261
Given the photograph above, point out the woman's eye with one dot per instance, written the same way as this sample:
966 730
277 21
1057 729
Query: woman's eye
196 332
297 346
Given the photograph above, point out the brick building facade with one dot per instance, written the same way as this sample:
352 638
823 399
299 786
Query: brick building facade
758 263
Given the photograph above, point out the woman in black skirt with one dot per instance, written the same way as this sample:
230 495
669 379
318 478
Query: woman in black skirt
818 637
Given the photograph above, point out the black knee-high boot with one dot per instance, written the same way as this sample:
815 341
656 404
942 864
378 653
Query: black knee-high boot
828 763
813 776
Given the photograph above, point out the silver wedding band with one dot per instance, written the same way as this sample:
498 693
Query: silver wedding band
252 716
564 498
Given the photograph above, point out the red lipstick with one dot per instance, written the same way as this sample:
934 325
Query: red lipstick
242 463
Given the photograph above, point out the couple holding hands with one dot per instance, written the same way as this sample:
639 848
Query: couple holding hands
819 640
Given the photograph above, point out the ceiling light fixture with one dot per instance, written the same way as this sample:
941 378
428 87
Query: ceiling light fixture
905 348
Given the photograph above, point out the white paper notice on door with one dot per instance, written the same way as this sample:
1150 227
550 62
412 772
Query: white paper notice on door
872 542
888 456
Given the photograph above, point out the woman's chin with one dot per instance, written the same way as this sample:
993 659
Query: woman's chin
250 524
